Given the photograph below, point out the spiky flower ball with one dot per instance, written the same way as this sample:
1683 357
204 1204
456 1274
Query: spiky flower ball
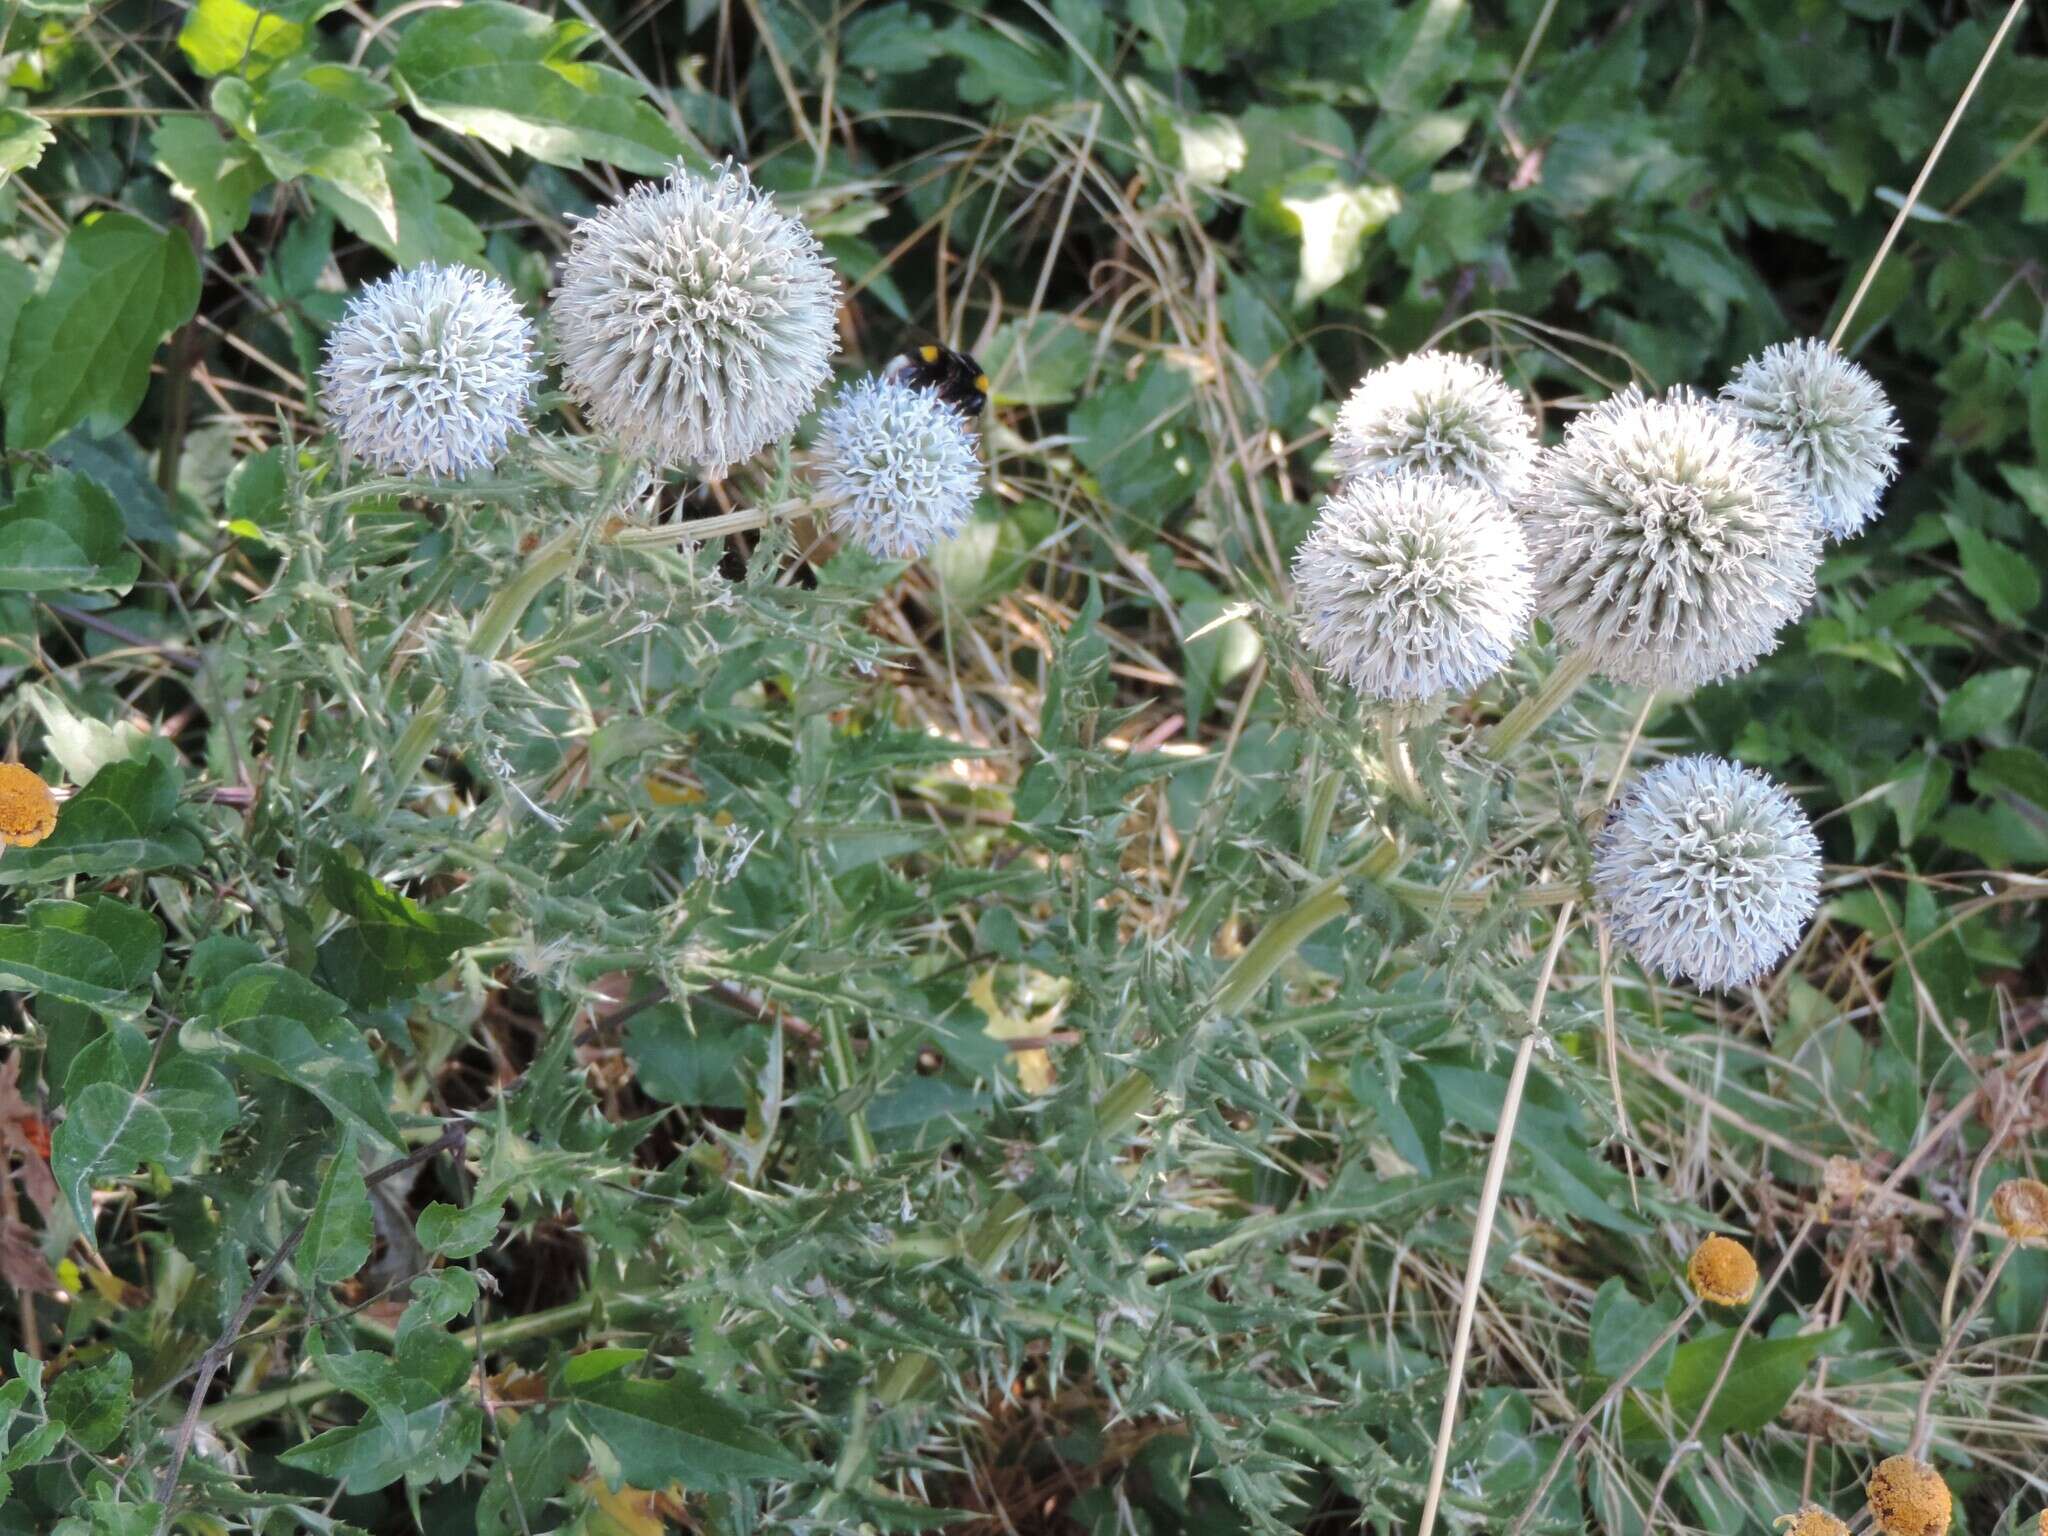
694 320
1908 1498
1410 586
2021 1206
28 811
429 372
895 467
1833 420
1441 413
1812 1520
1707 871
1721 1271
1669 541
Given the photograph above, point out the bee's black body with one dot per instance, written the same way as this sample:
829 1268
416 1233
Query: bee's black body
956 377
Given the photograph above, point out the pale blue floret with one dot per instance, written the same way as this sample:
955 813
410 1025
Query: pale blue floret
1708 872
429 373
895 467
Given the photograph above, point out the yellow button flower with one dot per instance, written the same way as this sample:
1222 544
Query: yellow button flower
28 811
1908 1498
1721 1271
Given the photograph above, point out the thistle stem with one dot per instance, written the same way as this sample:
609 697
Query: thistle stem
1519 723
1400 766
706 527
1482 1230
1315 834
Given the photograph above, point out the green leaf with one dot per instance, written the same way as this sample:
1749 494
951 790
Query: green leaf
1984 703
108 1130
218 177
1622 1328
85 340
82 745
510 76
223 35
23 138
458 1234
429 1444
1333 220
427 228
2000 576
64 533
339 1231
318 121
92 1401
98 952
394 946
678 1059
675 1431
1765 1375
121 821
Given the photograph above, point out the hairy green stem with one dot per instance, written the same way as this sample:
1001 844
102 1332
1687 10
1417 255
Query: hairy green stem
1322 808
1519 723
1400 766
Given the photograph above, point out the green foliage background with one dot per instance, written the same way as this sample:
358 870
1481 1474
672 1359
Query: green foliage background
636 1114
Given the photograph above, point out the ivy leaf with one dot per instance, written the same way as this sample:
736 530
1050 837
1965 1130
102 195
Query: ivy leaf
64 534
339 1232
121 821
511 77
394 946
85 340
98 953
674 1431
218 177
23 138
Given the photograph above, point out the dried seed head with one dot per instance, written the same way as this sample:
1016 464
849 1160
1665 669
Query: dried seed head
1438 413
28 811
1812 1520
1830 417
1410 586
1721 1271
429 372
1668 541
1707 871
694 321
895 467
1908 1498
2021 1206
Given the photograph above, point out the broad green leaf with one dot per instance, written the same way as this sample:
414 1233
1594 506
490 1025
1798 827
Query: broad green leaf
108 1131
2000 576
458 1234
1334 220
220 36
64 533
97 952
218 177
121 821
681 1060
318 121
424 1445
84 342
675 1431
393 946
1765 1375
1984 703
92 1401
82 745
1622 1328
427 228
197 1103
339 1231
511 77
23 138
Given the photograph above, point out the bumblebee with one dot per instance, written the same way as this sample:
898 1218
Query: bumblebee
956 376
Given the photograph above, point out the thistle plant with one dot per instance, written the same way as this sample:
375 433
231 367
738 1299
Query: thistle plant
895 468
1830 418
1436 413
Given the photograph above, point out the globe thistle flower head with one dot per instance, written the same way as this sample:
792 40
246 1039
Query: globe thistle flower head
28 811
1830 417
1908 1498
1412 585
1721 1271
1668 541
895 467
429 372
694 320
1436 412
1707 871
2021 1206
1812 1520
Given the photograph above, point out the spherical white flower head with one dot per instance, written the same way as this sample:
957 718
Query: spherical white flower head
429 372
1831 417
1410 586
895 467
1439 412
695 322
1669 541
1708 871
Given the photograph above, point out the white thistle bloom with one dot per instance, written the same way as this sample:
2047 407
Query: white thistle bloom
1436 411
694 321
1669 542
429 372
1707 871
1831 417
1410 586
895 467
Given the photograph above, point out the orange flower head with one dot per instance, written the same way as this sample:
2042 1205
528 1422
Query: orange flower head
1812 1520
1721 1271
28 811
1908 1498
2021 1206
